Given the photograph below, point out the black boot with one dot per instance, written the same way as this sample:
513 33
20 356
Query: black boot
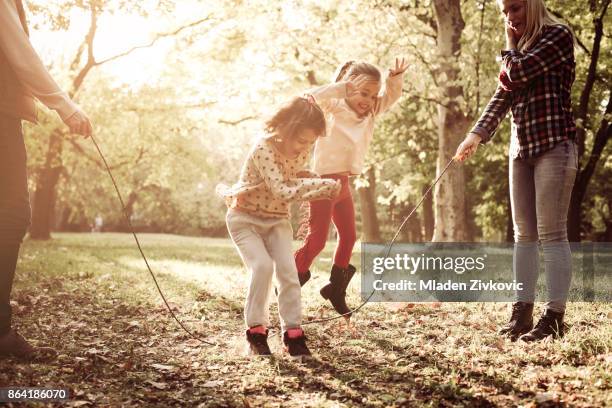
296 347
550 324
349 272
258 344
521 321
304 277
335 290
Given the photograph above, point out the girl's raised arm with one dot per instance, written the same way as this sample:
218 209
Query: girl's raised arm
327 95
393 87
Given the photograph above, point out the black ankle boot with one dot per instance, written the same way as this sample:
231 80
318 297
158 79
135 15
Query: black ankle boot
258 343
521 321
304 277
348 275
550 324
335 290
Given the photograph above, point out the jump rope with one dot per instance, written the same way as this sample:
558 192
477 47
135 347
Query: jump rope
173 315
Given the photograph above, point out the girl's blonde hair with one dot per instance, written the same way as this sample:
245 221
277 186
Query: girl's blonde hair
298 114
351 68
538 17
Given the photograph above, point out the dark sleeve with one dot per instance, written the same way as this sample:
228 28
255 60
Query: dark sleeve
494 113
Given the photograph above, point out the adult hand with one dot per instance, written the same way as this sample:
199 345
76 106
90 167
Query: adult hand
400 67
79 123
467 147
510 38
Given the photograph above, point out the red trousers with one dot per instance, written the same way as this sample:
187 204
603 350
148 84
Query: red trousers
341 212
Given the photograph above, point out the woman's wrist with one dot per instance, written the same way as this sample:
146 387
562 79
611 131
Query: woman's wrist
511 42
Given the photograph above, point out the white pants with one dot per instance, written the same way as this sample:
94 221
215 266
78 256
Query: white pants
264 244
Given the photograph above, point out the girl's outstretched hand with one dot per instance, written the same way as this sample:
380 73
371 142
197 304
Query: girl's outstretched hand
354 83
467 147
400 67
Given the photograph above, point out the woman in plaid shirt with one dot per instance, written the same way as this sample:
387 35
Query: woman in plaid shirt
538 69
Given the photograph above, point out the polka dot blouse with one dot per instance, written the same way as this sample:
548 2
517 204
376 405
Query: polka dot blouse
269 182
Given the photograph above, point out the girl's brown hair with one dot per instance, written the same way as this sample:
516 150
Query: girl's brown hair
351 68
298 114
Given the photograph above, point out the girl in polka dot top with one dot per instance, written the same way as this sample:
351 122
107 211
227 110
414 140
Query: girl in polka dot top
272 177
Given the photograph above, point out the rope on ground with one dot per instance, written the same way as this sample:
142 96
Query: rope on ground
127 218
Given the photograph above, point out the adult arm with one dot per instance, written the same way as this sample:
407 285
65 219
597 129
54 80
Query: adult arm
489 121
31 72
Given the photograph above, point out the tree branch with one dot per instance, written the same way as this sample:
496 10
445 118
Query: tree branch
154 40
415 49
238 121
601 139
139 109
89 39
585 96
94 159
424 98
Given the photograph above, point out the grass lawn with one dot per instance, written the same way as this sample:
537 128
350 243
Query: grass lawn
91 297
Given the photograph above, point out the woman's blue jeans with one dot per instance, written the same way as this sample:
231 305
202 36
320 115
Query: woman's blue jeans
540 191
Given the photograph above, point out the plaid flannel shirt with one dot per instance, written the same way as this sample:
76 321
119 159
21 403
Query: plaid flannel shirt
541 79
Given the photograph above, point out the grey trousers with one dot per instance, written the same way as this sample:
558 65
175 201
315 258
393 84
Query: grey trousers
540 192
264 244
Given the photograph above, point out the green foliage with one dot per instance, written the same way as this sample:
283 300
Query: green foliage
173 139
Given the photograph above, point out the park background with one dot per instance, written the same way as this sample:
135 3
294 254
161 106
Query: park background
178 91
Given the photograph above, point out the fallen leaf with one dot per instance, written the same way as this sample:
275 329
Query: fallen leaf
163 367
546 397
158 385
213 383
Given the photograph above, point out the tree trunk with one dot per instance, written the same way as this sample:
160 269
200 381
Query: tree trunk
583 176
450 206
129 211
44 197
63 224
574 217
367 201
412 230
49 175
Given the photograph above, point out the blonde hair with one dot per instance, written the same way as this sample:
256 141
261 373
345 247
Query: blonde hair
351 68
538 17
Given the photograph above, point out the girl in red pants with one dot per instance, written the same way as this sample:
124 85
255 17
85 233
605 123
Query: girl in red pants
351 105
